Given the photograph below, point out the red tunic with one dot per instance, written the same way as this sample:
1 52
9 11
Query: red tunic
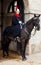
17 15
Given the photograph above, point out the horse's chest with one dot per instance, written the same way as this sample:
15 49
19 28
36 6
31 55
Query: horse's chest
23 35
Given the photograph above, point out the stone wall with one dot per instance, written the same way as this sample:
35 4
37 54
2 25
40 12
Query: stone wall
35 48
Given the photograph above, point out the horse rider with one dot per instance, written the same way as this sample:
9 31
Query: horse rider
16 17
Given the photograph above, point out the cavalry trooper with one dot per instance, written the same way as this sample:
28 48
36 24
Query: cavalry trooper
16 18
16 22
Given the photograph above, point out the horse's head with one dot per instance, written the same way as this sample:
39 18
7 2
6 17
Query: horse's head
36 22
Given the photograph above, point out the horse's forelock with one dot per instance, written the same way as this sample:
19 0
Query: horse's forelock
35 18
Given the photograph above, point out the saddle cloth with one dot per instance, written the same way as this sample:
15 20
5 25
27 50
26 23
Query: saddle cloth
13 31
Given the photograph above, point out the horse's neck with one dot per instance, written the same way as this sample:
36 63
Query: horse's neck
30 27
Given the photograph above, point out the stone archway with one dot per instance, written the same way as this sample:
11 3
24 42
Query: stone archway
21 7
8 16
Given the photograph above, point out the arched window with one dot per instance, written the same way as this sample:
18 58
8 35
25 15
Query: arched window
20 6
11 8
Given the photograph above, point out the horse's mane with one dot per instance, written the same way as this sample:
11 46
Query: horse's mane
29 21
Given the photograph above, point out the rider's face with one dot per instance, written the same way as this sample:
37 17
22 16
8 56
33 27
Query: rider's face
17 11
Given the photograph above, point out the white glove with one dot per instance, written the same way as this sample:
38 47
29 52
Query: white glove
20 22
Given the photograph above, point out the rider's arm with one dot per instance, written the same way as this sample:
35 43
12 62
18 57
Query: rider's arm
14 21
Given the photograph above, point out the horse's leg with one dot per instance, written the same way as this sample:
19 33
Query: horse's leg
3 52
7 46
7 52
19 47
23 52
3 45
24 49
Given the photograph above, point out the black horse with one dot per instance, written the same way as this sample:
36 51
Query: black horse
25 35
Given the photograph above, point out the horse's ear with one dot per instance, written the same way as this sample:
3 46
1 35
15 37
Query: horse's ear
34 15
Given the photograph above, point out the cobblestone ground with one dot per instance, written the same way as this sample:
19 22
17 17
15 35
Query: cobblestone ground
15 59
